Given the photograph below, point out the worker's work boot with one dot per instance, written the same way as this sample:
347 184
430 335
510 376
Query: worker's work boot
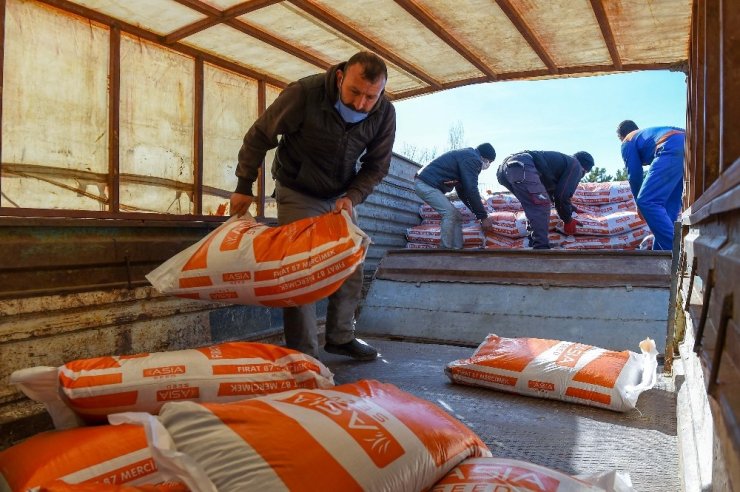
357 349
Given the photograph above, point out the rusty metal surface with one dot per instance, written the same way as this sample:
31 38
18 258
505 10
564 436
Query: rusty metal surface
45 259
530 267
571 438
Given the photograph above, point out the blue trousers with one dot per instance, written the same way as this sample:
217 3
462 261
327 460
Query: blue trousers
659 199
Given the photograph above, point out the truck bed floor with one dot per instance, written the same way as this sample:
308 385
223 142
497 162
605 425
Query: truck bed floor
568 437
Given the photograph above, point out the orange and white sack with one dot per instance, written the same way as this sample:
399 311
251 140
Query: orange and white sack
427 212
600 210
503 201
498 241
366 436
509 224
647 242
628 240
494 474
87 455
606 225
600 193
245 262
560 370
472 235
91 389
61 486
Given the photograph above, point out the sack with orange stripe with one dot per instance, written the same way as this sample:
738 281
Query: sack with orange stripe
365 436
245 262
89 456
91 389
560 370
493 474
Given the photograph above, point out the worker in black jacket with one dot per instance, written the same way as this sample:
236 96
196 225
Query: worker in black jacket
538 178
322 126
458 170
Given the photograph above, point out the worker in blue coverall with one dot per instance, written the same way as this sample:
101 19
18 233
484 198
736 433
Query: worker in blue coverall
657 194
538 178
459 170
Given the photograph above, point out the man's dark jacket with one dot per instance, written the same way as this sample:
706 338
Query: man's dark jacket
458 169
560 174
318 152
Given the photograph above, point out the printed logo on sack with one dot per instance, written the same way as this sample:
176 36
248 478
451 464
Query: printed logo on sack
164 371
178 393
125 474
377 441
516 476
572 354
236 276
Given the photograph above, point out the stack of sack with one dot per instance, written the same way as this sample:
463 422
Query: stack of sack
510 223
607 218
606 212
427 234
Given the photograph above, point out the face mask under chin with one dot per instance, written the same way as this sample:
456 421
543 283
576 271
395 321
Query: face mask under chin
348 114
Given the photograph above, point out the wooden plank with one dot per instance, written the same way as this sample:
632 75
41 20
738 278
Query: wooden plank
215 16
606 32
198 102
730 69
528 34
712 91
2 65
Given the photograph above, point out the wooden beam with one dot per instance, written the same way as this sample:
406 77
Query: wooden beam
200 6
278 43
528 34
606 32
198 103
2 64
114 111
697 64
730 85
421 14
527 75
106 20
712 90
261 107
227 17
327 18
214 16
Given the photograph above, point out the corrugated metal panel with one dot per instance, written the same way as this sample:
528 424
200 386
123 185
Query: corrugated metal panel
391 209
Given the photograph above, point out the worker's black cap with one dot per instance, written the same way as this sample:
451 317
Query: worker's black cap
486 151
585 159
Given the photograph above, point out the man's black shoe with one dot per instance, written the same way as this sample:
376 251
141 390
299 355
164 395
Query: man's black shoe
357 349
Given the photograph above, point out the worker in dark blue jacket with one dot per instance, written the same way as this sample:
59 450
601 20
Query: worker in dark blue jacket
458 170
538 178
658 192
